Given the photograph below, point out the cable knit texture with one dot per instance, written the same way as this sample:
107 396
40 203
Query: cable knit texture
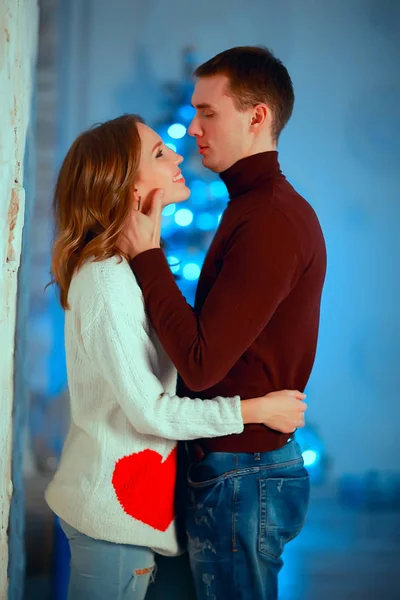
117 473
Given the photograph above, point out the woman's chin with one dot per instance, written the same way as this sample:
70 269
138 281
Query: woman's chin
177 196
183 194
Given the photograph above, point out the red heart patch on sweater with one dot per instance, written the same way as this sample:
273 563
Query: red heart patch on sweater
145 487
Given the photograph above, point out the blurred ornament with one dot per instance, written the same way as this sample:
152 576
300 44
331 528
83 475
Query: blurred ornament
313 452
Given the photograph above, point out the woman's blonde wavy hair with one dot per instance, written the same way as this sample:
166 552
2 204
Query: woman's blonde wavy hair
93 197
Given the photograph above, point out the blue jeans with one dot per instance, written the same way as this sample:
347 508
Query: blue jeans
102 570
242 510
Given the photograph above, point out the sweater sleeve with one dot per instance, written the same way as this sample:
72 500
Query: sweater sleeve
259 270
119 347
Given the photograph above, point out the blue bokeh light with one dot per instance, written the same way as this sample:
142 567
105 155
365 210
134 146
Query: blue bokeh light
174 263
186 112
169 210
191 271
309 457
177 131
218 189
171 145
183 217
313 452
206 221
199 187
198 192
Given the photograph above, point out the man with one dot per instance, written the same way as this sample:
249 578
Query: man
254 327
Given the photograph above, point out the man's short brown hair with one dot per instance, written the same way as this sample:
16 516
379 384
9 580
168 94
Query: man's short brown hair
255 76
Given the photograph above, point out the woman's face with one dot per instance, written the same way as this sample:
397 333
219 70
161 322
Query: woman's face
159 169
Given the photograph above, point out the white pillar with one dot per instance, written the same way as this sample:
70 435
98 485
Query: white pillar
18 47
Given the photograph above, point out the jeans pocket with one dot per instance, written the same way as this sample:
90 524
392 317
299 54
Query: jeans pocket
199 476
283 509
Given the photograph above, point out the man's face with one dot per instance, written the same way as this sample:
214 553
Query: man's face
222 132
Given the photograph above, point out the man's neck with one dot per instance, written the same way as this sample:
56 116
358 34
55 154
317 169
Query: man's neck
259 146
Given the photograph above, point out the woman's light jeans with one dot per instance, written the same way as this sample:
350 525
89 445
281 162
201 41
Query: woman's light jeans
102 570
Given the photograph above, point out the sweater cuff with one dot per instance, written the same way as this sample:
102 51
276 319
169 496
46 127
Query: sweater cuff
237 403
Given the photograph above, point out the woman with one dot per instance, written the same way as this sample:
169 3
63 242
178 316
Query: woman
114 488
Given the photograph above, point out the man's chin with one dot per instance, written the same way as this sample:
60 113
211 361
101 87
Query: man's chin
208 163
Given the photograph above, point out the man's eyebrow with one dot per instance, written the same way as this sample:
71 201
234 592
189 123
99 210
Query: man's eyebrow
202 105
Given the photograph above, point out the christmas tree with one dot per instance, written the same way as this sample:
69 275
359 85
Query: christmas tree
188 229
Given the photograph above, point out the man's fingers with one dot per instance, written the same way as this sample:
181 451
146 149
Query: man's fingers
296 394
299 407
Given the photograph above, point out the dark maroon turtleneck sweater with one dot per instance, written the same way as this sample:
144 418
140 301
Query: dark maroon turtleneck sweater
254 327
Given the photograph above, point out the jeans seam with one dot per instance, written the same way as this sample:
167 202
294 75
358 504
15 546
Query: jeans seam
288 463
244 471
119 574
234 516
262 493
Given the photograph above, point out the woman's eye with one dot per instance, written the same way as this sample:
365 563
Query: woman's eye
160 153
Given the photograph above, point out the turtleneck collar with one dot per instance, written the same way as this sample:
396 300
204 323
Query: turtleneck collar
249 172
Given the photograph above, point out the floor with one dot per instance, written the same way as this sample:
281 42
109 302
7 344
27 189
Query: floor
342 554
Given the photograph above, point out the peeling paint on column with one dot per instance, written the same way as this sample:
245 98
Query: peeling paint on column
12 220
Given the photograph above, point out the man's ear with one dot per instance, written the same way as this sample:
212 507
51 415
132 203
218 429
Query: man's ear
260 115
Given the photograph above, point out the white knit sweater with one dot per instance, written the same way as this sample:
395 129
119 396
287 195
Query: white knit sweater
117 473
